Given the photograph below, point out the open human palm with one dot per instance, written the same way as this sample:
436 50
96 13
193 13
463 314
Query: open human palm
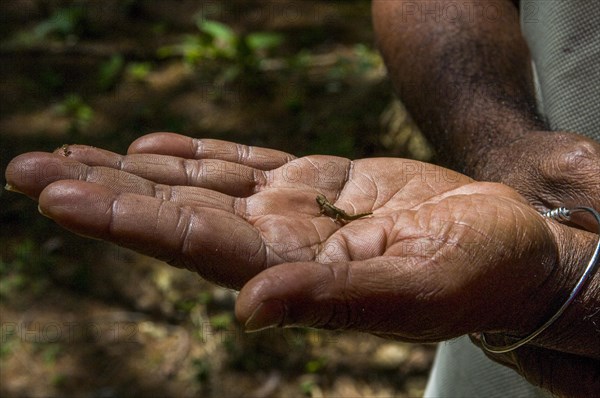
437 258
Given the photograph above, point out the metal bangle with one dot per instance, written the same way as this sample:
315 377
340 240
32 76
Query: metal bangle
560 214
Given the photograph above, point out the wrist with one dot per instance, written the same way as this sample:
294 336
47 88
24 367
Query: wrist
561 314
548 168
576 330
494 159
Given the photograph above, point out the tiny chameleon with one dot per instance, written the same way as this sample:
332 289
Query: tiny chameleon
330 210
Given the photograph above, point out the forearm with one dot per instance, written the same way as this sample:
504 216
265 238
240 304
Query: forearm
463 71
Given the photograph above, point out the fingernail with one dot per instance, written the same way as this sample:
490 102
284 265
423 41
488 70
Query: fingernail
10 188
42 212
269 314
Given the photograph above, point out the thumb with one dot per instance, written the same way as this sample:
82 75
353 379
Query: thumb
384 296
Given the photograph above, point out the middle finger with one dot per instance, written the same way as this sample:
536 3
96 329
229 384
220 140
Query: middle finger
223 176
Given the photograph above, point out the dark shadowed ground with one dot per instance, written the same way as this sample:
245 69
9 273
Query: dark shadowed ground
82 318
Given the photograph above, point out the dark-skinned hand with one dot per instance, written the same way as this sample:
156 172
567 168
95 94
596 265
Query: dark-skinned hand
550 169
441 256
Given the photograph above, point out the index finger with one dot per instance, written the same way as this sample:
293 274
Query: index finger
195 148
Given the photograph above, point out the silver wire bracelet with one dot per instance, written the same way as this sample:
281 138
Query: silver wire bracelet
559 214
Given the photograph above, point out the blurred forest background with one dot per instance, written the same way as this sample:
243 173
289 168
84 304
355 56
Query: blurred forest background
83 318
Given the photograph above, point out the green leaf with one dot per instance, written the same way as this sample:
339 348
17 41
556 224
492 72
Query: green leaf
264 40
63 22
221 321
315 365
218 31
138 71
109 71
